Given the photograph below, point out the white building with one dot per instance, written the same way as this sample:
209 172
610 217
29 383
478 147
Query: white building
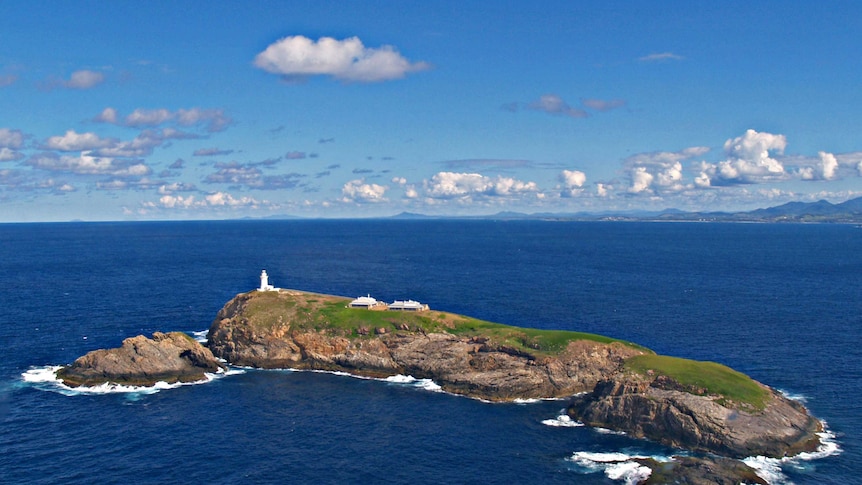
366 302
408 306
264 283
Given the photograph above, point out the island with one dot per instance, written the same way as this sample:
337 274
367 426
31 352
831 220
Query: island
703 407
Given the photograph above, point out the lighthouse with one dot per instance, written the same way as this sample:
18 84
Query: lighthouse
264 282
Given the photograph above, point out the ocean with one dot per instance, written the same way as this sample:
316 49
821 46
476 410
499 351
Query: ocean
778 302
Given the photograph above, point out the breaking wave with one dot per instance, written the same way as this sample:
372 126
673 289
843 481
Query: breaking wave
562 421
45 378
615 465
772 469
201 336
426 384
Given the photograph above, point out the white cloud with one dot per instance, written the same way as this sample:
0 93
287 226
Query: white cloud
9 155
84 79
824 169
749 161
108 115
147 117
360 192
346 60
553 104
469 186
169 189
641 180
73 141
213 120
213 200
86 164
11 138
659 171
572 182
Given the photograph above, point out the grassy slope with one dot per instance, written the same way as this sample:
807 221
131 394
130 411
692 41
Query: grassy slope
711 377
309 311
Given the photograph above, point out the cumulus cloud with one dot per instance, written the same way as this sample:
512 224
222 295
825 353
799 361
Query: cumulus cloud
749 161
661 56
212 120
825 168
572 182
73 141
212 200
357 191
11 138
10 155
297 57
87 164
553 104
467 187
10 142
83 79
143 144
659 171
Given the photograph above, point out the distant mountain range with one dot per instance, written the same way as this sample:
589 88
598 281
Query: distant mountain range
820 211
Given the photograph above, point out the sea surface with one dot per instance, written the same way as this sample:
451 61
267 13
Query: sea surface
778 302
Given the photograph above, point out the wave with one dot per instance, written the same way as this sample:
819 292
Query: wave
615 465
426 384
200 336
562 421
772 469
45 378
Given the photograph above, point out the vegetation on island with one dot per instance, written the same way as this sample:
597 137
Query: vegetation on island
302 311
308 311
706 378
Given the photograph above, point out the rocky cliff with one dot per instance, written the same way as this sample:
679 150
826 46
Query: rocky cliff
141 361
300 330
658 409
472 365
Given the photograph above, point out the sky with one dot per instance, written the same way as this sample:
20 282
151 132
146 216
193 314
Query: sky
216 110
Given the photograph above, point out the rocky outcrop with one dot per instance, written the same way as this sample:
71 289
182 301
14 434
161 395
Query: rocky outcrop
459 365
278 335
703 470
657 410
140 361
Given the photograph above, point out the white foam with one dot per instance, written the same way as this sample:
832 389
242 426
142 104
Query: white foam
616 465
608 431
45 378
793 396
562 420
770 469
200 336
426 384
630 472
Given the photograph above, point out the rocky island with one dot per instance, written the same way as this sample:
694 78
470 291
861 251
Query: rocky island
141 361
702 407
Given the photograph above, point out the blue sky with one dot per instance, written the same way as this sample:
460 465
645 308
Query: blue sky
213 110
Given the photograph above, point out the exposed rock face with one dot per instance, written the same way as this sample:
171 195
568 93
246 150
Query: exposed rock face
657 408
140 361
459 365
710 470
648 409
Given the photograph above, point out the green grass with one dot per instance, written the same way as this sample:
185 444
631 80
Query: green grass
307 311
715 378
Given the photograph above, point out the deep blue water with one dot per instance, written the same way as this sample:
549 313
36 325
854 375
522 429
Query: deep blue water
778 302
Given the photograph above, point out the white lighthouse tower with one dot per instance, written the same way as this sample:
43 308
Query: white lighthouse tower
264 282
